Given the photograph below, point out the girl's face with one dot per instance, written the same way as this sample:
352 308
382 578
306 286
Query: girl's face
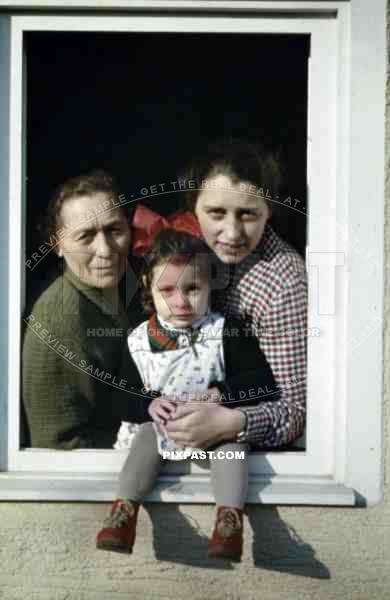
97 240
232 221
180 293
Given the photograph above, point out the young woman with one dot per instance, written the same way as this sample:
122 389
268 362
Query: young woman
260 278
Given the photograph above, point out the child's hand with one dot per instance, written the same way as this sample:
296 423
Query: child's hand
161 409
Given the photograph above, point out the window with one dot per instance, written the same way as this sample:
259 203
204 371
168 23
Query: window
344 254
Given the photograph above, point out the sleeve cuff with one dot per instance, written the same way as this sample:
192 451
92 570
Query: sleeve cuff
257 425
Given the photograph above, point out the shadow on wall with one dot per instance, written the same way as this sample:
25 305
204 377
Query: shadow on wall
178 538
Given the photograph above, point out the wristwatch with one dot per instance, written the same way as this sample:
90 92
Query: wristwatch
240 437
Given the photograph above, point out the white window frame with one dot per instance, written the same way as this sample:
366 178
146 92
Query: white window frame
342 463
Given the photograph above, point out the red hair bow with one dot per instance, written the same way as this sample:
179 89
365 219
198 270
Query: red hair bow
147 224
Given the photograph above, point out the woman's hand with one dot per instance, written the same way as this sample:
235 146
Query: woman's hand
211 395
161 409
200 424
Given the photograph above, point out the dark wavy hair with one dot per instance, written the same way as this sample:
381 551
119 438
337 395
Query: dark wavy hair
239 160
178 248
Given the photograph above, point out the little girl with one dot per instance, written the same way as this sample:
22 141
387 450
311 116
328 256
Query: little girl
184 349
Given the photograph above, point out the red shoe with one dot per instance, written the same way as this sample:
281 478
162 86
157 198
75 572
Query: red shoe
118 533
227 538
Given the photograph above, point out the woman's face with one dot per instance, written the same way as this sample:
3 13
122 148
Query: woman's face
97 239
232 221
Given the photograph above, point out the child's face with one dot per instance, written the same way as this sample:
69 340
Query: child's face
180 293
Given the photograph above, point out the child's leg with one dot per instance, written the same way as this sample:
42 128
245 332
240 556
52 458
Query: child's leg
136 480
230 476
142 466
230 484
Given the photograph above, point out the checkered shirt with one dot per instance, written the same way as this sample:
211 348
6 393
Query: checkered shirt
269 288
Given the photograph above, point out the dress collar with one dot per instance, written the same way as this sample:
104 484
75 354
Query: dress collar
195 325
163 336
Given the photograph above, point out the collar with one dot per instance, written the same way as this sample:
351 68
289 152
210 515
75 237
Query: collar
163 336
268 247
195 325
105 299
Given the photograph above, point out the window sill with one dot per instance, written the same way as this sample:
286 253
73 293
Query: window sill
194 489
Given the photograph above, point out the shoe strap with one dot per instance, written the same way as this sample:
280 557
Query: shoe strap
229 517
121 512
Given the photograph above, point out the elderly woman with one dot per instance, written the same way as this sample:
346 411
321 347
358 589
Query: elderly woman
260 278
74 368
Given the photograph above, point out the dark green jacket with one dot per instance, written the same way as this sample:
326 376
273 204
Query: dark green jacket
75 357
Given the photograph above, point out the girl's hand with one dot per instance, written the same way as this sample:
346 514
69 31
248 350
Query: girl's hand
161 409
200 425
